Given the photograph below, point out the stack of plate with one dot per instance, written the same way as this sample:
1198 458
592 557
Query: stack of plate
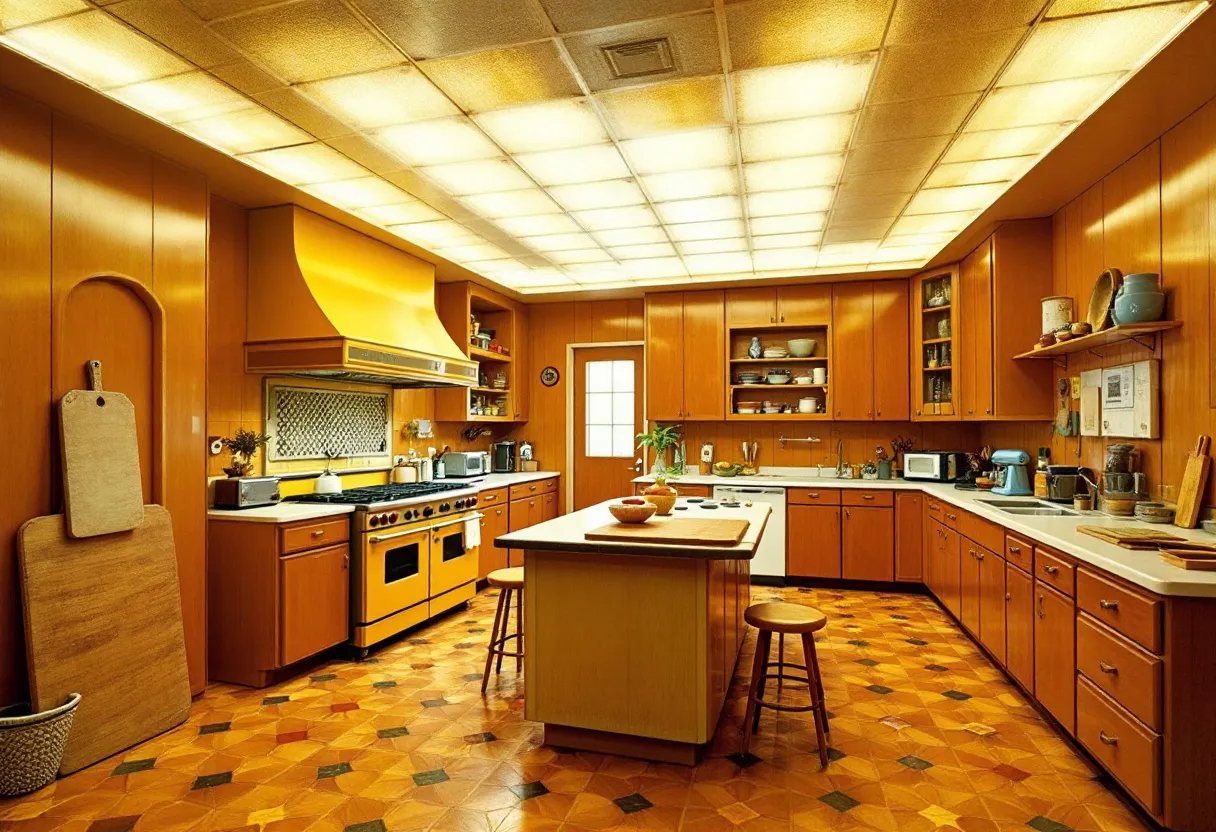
776 352
748 407
750 378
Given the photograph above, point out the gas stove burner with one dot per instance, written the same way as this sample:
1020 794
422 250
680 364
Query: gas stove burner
373 494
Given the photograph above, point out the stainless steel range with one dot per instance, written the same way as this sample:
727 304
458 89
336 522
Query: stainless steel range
414 553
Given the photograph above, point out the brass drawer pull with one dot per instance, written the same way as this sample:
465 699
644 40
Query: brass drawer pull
1107 668
1108 605
814 495
979 555
1049 569
867 496
1042 612
1015 550
319 533
1107 739
952 516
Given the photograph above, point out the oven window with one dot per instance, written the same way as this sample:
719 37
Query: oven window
453 546
401 563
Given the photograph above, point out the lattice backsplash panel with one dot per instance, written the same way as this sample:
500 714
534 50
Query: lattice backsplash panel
308 423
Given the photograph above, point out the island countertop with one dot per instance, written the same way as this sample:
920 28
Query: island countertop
568 533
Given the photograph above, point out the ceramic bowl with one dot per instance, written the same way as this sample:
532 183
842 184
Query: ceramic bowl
803 380
1081 328
1047 339
778 378
801 347
661 502
632 513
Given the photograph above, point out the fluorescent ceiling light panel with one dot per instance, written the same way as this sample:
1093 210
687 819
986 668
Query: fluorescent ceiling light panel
847 254
700 210
788 224
436 142
899 254
606 219
181 98
680 151
812 88
538 225
437 234
477 177
675 106
473 253
799 240
14 13
1049 103
406 212
397 95
999 144
560 242
551 125
245 131
720 229
579 255
934 239
796 137
534 279
638 252
597 272
655 267
960 198
574 165
492 267
305 164
527 202
712 246
691 184
785 258
933 223
975 173
800 201
786 174
364 192
632 236
738 262
615 194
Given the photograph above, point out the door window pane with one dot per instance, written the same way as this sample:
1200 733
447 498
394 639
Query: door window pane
610 408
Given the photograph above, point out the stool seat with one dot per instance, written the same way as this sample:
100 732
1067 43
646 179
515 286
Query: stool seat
781 617
512 578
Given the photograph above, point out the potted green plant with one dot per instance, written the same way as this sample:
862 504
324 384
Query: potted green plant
661 439
243 444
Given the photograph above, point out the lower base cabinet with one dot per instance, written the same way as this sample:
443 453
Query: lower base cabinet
1019 625
1055 661
867 544
969 586
493 524
813 541
314 603
992 604
530 504
909 537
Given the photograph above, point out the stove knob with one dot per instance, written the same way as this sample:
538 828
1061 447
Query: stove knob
392 517
472 501
459 504
445 507
373 521
428 511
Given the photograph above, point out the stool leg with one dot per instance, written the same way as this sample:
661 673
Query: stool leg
506 621
768 643
808 653
780 661
827 727
755 689
485 677
519 630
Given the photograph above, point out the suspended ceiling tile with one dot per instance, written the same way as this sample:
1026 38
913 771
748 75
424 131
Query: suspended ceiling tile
526 202
923 70
802 238
644 235
996 144
1052 102
549 125
813 88
574 166
693 40
426 29
504 77
293 106
212 9
437 142
580 255
246 77
308 40
180 98
305 164
396 95
767 32
796 137
908 153
689 104
851 208
175 26
851 232
403 212
713 246
739 262
478 176
680 151
956 198
245 131
361 192
979 172
933 223
580 15
25 12
914 119
691 184
915 21
786 224
588 196
1065 8
798 201
898 181
783 174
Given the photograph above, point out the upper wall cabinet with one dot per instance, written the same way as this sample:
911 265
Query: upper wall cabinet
870 350
685 355
807 305
935 316
500 395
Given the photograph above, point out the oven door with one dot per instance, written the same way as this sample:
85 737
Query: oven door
452 565
393 573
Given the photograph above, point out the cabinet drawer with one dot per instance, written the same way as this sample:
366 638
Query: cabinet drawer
1130 675
303 536
813 496
867 497
949 516
981 531
1019 552
1054 570
531 489
494 497
1134 615
1127 749
933 508
691 490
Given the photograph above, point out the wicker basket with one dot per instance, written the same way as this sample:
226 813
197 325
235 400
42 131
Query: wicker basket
31 745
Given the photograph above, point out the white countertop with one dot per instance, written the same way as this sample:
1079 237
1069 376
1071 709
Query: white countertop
1143 568
290 511
568 533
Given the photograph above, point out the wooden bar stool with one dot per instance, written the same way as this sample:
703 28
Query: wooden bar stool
509 581
795 619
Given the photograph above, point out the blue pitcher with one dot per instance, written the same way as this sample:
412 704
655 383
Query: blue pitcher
1139 300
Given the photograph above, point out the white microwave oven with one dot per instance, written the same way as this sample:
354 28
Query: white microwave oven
935 466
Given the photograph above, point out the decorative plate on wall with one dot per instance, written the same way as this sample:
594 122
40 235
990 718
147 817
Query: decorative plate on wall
549 376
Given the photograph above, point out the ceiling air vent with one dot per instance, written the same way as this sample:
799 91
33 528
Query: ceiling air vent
640 58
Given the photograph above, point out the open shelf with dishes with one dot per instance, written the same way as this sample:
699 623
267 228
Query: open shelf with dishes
790 380
487 327
934 340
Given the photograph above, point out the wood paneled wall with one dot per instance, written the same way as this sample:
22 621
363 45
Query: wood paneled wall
103 250
1154 213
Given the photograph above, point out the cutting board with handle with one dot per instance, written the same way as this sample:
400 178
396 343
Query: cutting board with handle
1194 479
102 489
1131 537
676 531
103 618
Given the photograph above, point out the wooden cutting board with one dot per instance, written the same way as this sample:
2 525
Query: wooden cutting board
1188 559
103 618
1194 480
679 530
102 489
1131 537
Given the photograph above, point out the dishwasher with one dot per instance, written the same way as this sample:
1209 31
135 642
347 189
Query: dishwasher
769 563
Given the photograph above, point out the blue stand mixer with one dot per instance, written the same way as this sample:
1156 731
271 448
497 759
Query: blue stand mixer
1012 478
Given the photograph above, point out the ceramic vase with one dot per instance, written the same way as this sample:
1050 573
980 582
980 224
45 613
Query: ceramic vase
756 349
1139 300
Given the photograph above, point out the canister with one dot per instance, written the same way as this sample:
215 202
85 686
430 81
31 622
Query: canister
1057 312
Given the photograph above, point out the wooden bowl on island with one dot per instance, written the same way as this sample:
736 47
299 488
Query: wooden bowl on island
661 495
633 512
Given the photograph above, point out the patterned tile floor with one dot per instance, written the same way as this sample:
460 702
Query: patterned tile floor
925 734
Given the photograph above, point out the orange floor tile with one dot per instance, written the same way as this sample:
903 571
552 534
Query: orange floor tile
925 733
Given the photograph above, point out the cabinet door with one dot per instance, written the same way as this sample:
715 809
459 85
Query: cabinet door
950 564
992 603
892 400
1019 625
813 541
493 524
806 305
853 351
751 307
868 544
314 602
665 356
704 342
548 507
969 587
522 514
975 287
909 536
1055 664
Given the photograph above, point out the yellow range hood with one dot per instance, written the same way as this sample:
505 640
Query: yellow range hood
326 301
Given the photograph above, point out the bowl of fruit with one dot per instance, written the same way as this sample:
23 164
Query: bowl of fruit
726 469
633 510
661 495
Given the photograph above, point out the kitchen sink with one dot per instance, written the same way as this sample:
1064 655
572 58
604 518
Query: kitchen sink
1029 509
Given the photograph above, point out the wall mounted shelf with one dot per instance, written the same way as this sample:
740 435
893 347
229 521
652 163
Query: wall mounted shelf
1113 335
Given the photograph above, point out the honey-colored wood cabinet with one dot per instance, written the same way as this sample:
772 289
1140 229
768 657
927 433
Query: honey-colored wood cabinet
870 350
950 570
493 525
685 356
813 541
992 603
548 506
867 544
969 587
935 324
975 322
457 304
1019 625
531 503
909 536
1055 667
803 305
315 601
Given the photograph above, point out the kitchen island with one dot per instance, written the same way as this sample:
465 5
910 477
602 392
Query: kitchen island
630 646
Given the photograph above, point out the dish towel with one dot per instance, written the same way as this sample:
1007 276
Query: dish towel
472 533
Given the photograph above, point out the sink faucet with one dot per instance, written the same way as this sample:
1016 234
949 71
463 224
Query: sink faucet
839 457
